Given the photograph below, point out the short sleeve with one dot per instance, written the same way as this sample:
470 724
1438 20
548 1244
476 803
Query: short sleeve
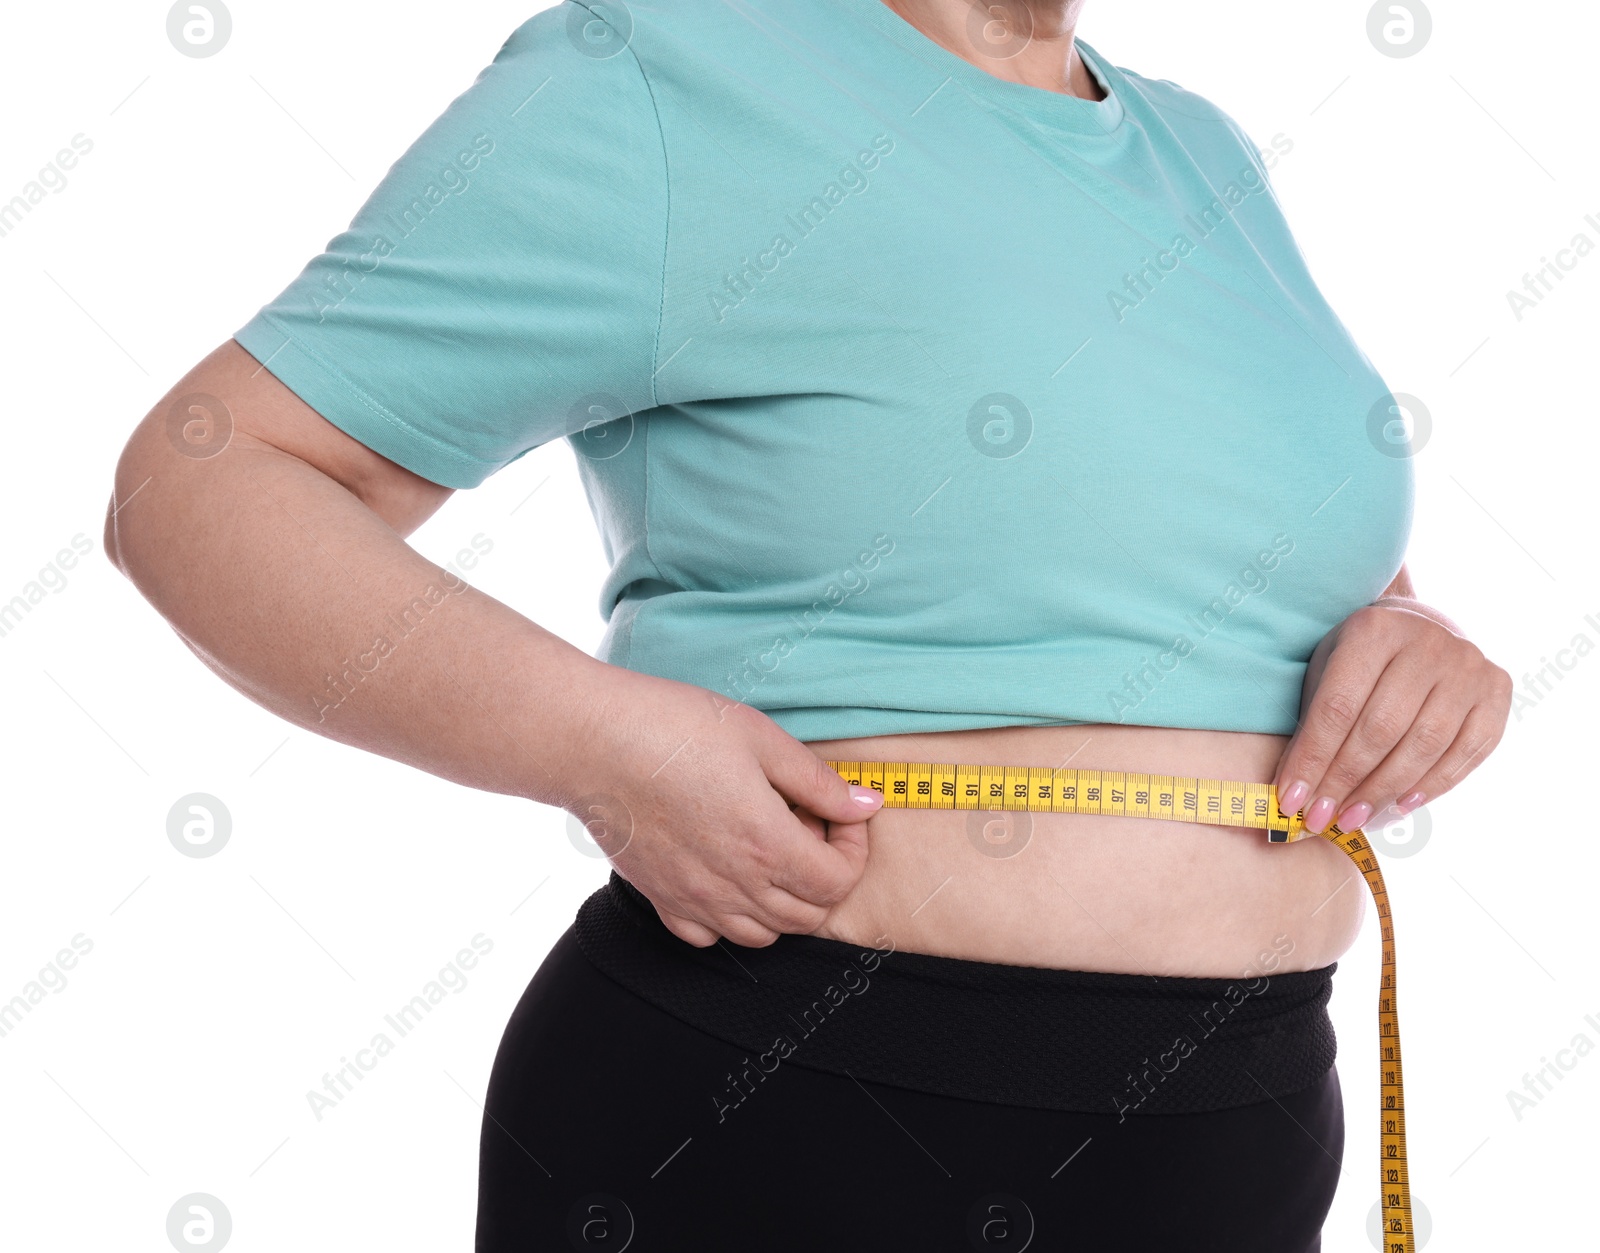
503 283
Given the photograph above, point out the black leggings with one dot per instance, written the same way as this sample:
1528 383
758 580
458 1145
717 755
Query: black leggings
612 1124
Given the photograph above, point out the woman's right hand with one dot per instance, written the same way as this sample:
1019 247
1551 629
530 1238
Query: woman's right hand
315 523
692 798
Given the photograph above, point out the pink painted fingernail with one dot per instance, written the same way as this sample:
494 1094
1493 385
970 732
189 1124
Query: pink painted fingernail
1295 797
1353 817
1319 815
1406 804
865 795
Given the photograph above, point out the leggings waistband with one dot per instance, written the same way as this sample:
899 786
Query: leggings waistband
1033 1036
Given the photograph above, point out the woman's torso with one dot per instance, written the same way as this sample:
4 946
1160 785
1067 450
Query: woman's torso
942 402
980 404
973 404
907 400
1086 892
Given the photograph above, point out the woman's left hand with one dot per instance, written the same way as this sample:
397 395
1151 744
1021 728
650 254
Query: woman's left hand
1396 707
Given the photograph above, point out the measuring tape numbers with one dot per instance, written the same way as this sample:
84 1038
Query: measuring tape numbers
1217 802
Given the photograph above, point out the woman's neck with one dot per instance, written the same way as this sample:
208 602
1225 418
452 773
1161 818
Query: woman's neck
1032 42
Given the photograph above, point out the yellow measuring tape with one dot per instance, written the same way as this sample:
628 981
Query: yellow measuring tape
1218 802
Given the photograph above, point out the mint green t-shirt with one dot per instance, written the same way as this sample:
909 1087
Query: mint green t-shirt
906 398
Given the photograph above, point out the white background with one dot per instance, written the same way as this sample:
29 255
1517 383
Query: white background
218 991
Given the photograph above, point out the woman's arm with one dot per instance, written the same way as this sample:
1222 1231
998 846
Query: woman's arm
276 552
274 544
1401 586
1400 594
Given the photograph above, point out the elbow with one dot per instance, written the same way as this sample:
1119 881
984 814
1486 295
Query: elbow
133 474
109 537
123 487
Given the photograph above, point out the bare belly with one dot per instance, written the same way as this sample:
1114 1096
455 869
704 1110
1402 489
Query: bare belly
1086 892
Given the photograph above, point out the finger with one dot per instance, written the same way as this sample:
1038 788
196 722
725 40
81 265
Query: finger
822 872
735 924
799 775
687 929
747 932
1347 680
788 854
1479 734
849 840
786 913
1433 729
1387 717
817 826
792 906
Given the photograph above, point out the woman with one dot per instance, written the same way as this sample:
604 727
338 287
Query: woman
943 393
